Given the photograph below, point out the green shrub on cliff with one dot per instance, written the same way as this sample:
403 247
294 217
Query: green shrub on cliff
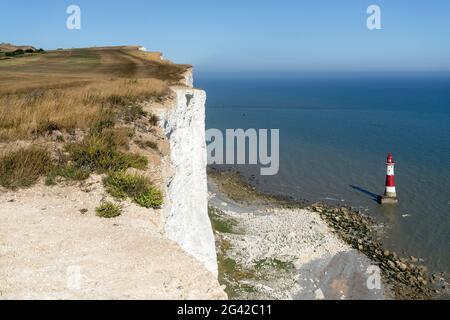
220 222
122 185
68 172
22 168
97 153
152 198
108 210
153 119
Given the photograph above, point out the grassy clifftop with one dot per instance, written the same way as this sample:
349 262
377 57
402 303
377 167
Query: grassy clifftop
77 88
84 169
69 113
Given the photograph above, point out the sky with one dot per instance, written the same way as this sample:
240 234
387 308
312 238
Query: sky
247 35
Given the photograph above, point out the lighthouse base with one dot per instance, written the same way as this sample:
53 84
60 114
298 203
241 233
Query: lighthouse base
387 200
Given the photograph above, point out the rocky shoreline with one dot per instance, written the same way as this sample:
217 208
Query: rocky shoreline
408 279
404 278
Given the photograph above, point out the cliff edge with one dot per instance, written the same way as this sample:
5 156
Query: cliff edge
186 211
103 187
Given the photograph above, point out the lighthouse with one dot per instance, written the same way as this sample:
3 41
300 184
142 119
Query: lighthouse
390 193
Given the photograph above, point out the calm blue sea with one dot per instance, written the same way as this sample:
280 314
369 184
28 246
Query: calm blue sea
335 133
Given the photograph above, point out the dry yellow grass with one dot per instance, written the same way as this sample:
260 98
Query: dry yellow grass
22 168
97 90
25 114
77 88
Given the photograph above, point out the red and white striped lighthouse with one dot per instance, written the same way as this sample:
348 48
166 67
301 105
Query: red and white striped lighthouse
390 194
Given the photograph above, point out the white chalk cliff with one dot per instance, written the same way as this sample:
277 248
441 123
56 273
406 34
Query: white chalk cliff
185 213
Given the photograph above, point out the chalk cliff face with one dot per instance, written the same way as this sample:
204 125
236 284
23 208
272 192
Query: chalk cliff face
189 78
185 217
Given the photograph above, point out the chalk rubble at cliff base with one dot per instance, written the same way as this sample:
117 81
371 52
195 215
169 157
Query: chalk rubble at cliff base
288 254
324 252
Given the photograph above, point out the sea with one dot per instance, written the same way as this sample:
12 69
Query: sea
335 133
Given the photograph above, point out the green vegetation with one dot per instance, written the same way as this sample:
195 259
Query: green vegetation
15 53
126 106
118 137
21 52
96 153
106 120
220 223
147 144
68 172
99 152
46 126
240 278
132 113
92 93
237 272
153 119
83 57
22 168
122 185
108 210
274 264
152 198
101 155
231 273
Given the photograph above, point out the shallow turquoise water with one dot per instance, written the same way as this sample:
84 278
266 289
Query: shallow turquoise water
335 134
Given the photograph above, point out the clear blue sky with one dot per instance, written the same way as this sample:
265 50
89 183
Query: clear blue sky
248 35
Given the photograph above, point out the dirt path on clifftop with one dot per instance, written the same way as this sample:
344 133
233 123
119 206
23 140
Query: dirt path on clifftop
123 63
126 65
52 246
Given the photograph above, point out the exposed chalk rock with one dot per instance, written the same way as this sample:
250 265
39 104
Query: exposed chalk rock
318 295
185 215
189 78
